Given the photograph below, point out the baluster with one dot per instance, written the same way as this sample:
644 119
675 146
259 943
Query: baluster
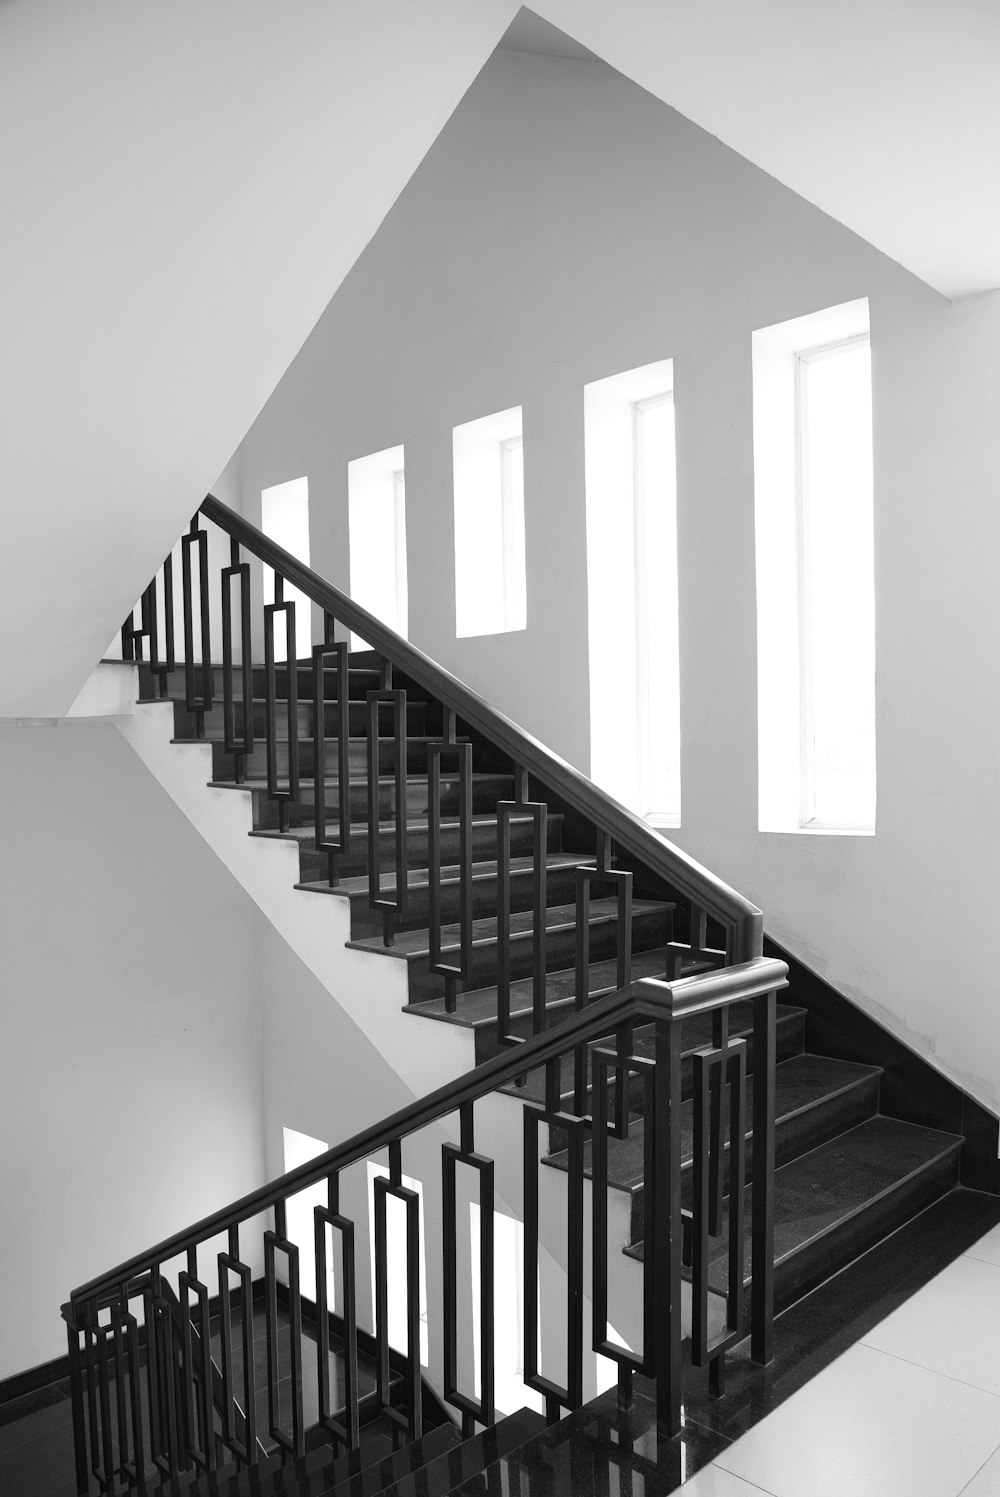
538 811
237 744
392 909
602 873
334 848
451 972
293 1440
275 793
239 1423
385 1186
106 1473
163 669
195 703
77 1374
347 1429
197 1368
570 1396
451 1156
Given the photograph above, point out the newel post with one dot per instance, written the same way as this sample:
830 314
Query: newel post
667 1232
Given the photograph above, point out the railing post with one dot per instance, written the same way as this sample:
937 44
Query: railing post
762 1221
667 1241
76 1399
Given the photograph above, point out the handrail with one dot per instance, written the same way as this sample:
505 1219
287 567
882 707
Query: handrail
720 901
654 1000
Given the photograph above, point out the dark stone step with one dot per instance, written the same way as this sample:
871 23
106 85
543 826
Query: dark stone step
313 864
560 889
457 1466
487 789
816 1098
842 1198
255 763
361 680
651 924
186 723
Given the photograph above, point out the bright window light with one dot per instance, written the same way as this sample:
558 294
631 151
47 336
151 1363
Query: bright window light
299 1148
631 479
284 517
815 572
376 500
490 593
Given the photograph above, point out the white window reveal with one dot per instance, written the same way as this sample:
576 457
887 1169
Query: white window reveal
284 517
376 501
490 589
815 572
631 478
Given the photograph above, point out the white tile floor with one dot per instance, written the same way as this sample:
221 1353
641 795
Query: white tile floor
913 1410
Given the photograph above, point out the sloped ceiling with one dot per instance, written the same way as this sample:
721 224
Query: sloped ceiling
885 115
183 187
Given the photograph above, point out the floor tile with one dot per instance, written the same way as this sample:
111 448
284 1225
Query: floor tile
713 1481
873 1426
986 1482
987 1249
952 1326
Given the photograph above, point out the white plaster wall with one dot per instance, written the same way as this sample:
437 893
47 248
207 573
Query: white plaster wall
184 186
567 226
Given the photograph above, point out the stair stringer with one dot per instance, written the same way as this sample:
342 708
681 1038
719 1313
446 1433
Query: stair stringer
372 992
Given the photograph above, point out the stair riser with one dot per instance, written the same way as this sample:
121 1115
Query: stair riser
255 763
560 889
361 681
313 865
825 1255
648 931
485 794
792 1136
186 723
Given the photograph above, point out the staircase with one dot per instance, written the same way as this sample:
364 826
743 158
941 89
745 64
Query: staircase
620 1005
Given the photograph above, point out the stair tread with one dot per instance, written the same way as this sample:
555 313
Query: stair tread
420 877
818 1191
415 943
442 1476
307 833
332 782
372 1468
801 1082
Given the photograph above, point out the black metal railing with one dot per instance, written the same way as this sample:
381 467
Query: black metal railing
160 1383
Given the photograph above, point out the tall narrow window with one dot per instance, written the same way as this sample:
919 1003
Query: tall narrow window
376 500
490 592
815 572
632 583
284 516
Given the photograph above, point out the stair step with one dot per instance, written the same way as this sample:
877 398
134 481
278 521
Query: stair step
313 864
447 1473
816 1098
487 789
186 722
650 928
366 922
255 763
361 680
841 1198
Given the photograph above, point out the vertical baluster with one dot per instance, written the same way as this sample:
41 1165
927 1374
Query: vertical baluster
292 1441
538 811
346 1429
621 881
237 744
163 669
239 1421
412 1419
198 704
452 972
283 798
197 1368
107 1472
334 848
717 1177
392 909
451 1156
119 1335
570 1396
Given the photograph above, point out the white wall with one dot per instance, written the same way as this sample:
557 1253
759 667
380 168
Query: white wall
184 188
567 226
